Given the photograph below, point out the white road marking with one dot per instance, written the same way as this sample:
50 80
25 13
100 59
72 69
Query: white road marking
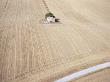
84 72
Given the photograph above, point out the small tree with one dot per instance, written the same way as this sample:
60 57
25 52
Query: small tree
49 15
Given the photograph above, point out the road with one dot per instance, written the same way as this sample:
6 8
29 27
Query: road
100 76
35 52
86 72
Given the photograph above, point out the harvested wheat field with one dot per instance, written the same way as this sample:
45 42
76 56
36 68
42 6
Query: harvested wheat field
100 76
34 52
